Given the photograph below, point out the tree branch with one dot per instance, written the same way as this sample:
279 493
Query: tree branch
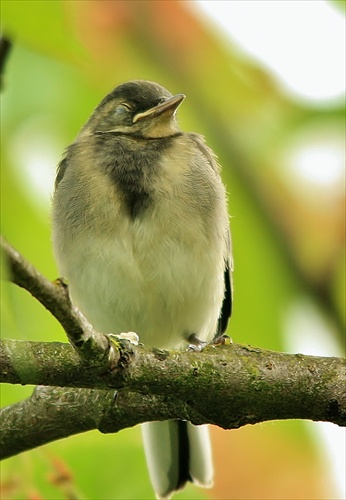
226 385
229 386
53 413
54 296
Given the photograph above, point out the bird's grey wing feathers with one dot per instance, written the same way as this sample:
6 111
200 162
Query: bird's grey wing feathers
226 309
205 150
60 171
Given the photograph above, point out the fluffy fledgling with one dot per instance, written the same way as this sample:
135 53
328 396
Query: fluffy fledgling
141 232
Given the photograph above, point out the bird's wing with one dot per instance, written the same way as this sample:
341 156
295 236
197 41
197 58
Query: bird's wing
60 171
226 309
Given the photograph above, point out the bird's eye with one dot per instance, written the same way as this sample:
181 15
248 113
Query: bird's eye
126 106
122 108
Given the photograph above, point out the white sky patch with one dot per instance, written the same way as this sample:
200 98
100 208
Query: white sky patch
320 163
313 163
301 42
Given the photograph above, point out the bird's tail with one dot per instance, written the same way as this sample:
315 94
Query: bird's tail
176 452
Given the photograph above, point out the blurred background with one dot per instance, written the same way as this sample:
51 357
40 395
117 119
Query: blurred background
265 83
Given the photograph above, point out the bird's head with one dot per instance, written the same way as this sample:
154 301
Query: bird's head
138 108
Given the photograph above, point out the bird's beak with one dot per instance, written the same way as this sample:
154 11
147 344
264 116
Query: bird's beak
169 106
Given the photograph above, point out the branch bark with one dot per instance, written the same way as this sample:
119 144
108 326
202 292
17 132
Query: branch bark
226 385
53 413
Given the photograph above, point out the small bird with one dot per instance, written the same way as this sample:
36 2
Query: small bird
141 232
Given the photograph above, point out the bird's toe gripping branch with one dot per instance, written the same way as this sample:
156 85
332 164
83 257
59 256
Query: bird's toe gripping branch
121 345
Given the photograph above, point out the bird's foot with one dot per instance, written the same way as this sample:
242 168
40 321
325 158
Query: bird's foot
62 284
195 344
222 340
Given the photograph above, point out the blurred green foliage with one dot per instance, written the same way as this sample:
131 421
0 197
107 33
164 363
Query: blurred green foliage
340 4
66 56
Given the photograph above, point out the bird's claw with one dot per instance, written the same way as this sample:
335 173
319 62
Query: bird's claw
195 344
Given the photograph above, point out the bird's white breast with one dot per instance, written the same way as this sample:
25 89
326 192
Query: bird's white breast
159 275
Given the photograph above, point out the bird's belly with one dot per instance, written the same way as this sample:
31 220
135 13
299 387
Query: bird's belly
162 288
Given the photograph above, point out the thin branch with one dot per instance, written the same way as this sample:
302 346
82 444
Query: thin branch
54 296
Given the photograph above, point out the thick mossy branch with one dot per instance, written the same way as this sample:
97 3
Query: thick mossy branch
227 385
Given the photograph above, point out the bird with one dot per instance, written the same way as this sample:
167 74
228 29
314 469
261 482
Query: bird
140 230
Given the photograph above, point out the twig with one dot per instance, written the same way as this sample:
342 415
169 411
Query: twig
53 296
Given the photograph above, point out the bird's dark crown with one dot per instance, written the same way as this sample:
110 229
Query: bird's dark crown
142 94
126 111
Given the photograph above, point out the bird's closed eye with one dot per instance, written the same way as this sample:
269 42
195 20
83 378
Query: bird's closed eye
126 106
122 108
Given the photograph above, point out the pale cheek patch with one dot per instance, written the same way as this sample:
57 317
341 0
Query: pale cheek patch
160 127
